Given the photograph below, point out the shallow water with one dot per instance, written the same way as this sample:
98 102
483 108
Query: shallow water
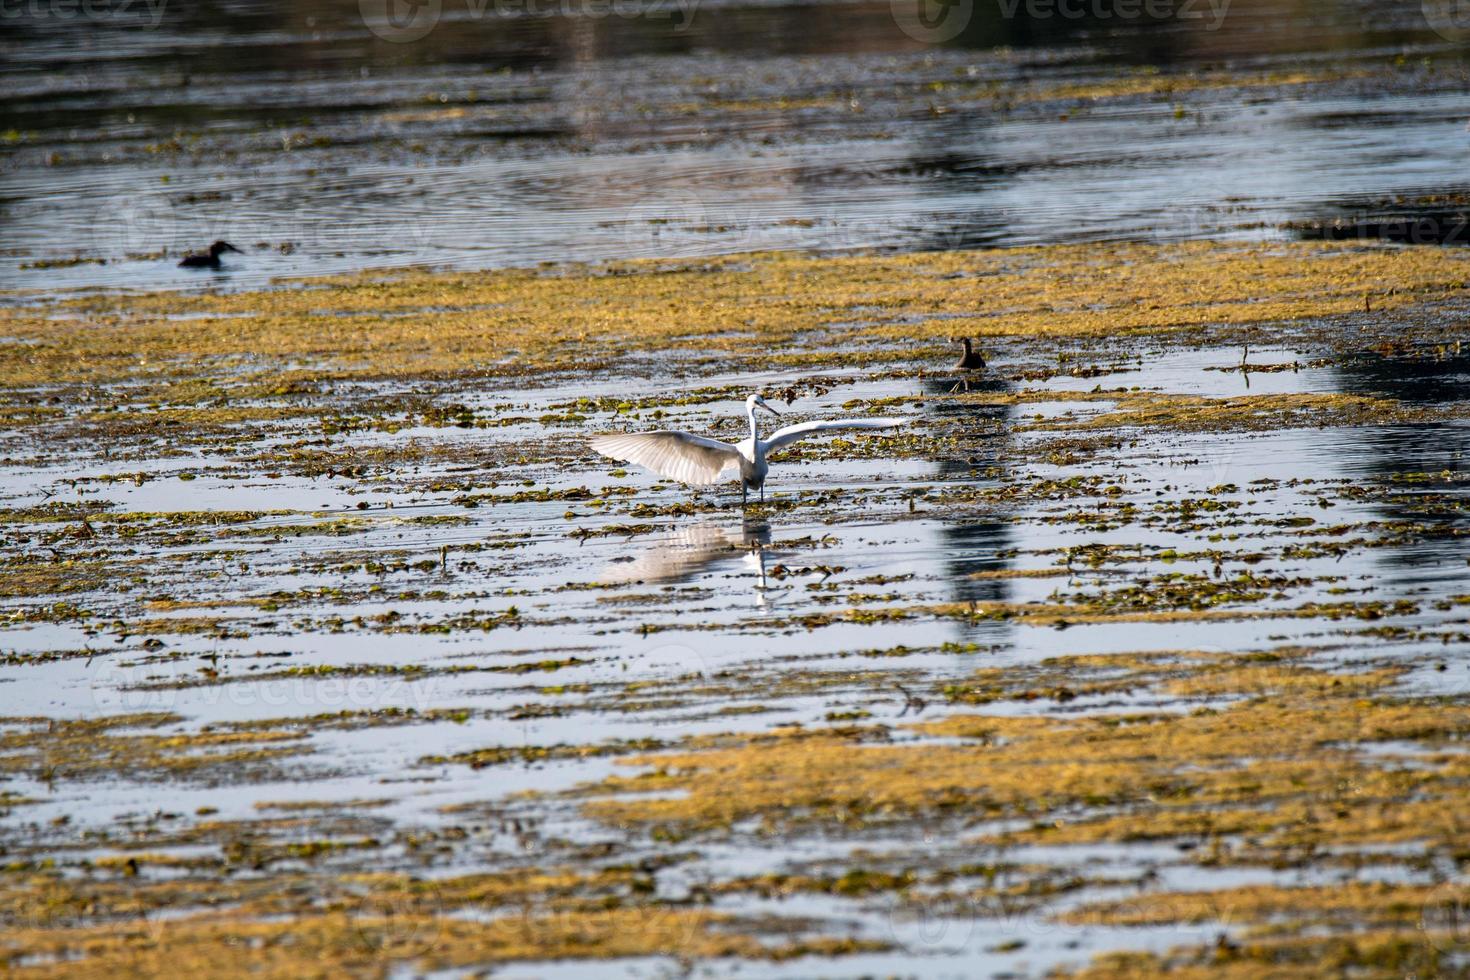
713 595
501 139
468 581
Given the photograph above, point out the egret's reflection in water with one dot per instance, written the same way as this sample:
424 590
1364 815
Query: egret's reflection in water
680 555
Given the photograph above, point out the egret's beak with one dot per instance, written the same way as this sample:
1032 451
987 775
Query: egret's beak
768 408
231 248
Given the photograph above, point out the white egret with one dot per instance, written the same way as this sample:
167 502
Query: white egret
701 461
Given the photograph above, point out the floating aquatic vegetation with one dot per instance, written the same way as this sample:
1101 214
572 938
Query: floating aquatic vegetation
392 656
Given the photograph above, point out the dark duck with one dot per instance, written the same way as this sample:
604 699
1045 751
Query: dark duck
209 259
969 362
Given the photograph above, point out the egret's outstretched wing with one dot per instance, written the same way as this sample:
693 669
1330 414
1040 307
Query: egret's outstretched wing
791 433
672 455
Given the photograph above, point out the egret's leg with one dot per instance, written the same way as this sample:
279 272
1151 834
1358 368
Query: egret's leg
763 493
744 494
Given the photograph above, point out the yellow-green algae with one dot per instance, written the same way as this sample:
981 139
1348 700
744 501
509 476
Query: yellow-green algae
1269 772
1285 758
1346 929
1264 767
514 321
129 743
1275 774
1369 953
1262 413
1144 82
361 925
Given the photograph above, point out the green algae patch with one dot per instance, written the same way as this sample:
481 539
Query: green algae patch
856 883
961 93
1265 755
442 532
1201 600
368 925
506 754
1372 904
407 323
1349 928
76 749
1402 953
1248 413
42 578
1150 82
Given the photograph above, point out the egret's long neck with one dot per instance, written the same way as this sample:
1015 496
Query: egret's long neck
754 435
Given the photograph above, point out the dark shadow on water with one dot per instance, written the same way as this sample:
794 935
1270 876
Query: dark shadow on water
1412 227
1418 380
1435 214
974 385
1427 459
972 546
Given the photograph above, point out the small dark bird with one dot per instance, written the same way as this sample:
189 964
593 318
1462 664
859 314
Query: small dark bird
971 361
207 260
